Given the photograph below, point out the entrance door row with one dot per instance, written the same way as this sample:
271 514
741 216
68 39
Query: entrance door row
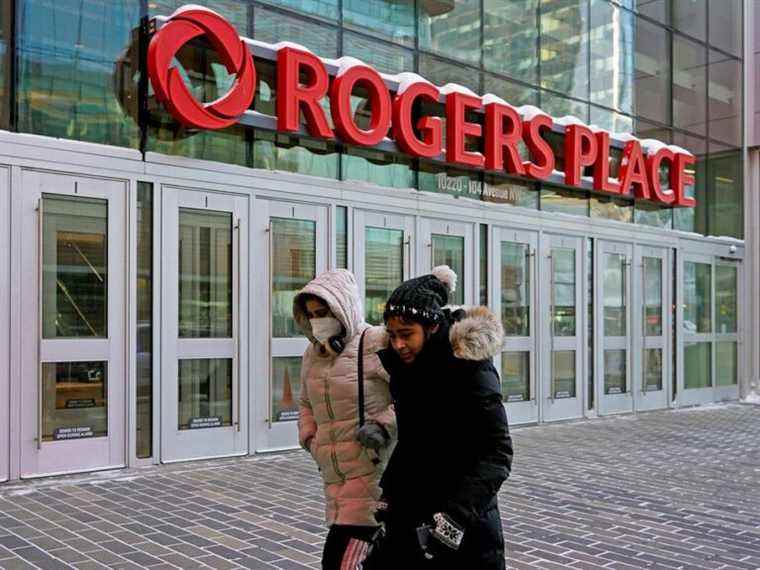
227 280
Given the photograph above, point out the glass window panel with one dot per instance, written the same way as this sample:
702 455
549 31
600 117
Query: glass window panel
697 314
383 56
204 393
449 250
5 64
441 72
515 376
341 237
612 55
656 9
516 20
650 214
286 386
615 310
689 85
445 180
144 337
563 293
74 267
507 191
565 201
725 194
615 375
725 98
726 299
690 17
646 130
483 264
389 18
512 92
327 9
611 209
653 296
294 264
563 374
652 369
726 25
515 288
205 274
693 219
383 268
611 121
559 106
651 83
452 30
377 167
727 364
292 154
233 11
273 27
74 400
564 47
65 53
697 364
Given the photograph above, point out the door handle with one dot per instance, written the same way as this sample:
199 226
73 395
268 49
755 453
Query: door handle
552 300
270 329
238 265
40 221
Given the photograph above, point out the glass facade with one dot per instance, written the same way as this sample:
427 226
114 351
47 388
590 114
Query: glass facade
670 69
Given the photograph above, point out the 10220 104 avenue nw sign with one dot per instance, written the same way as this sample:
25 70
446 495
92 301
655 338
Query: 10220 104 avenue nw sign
481 132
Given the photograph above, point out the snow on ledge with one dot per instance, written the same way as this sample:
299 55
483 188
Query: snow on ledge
457 88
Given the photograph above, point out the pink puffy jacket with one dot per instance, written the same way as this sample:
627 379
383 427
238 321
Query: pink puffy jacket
329 414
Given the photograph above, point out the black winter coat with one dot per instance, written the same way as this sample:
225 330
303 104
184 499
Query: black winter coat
454 450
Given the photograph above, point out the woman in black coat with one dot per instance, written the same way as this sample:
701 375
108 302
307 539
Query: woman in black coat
454 450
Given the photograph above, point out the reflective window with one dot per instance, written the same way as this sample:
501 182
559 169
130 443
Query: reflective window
515 376
444 180
144 407
515 288
651 80
391 19
515 22
725 299
559 106
612 55
697 313
611 208
66 51
341 237
204 393
451 28
74 267
726 372
327 9
697 364
652 369
563 291
514 93
656 9
614 292
563 374
204 258
291 154
74 400
724 91
610 120
689 85
293 244
564 47
286 386
652 277
273 27
725 25
449 250
441 72
383 169
5 64
693 219
690 17
235 12
383 268
725 209
565 201
507 191
615 371
383 56
650 214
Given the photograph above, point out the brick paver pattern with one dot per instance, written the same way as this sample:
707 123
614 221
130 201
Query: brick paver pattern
663 490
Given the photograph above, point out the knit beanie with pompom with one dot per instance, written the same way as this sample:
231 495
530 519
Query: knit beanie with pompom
422 299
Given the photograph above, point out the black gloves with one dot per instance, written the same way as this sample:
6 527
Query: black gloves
373 436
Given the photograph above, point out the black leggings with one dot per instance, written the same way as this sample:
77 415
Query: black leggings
337 541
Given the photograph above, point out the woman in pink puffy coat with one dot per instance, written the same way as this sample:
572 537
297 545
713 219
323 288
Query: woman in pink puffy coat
350 459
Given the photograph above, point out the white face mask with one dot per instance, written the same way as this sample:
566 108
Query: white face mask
325 328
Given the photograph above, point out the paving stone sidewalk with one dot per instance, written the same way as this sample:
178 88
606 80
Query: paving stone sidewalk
664 490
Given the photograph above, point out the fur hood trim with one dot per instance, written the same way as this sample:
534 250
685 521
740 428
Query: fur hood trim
477 336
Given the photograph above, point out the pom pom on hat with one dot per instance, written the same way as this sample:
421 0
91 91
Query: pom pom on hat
446 275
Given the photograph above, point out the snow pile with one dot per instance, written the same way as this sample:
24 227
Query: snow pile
406 80
752 398
456 88
282 45
529 112
346 62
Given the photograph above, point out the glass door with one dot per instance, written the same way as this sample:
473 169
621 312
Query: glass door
614 325
205 319
73 306
563 326
652 328
727 327
382 258
5 321
514 293
449 243
295 238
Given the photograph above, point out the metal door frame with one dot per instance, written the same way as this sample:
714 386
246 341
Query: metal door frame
5 325
426 228
266 434
181 445
731 392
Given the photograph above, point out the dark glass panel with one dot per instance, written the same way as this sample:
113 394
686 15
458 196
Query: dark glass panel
724 91
651 81
392 19
516 20
689 85
564 47
452 30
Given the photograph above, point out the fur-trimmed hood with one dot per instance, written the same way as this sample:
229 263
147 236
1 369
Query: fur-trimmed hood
476 334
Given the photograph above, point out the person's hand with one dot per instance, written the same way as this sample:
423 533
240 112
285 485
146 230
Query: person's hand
382 510
447 531
373 436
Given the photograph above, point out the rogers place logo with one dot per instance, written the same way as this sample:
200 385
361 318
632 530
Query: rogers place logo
396 124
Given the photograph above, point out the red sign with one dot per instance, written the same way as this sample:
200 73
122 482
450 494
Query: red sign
303 82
